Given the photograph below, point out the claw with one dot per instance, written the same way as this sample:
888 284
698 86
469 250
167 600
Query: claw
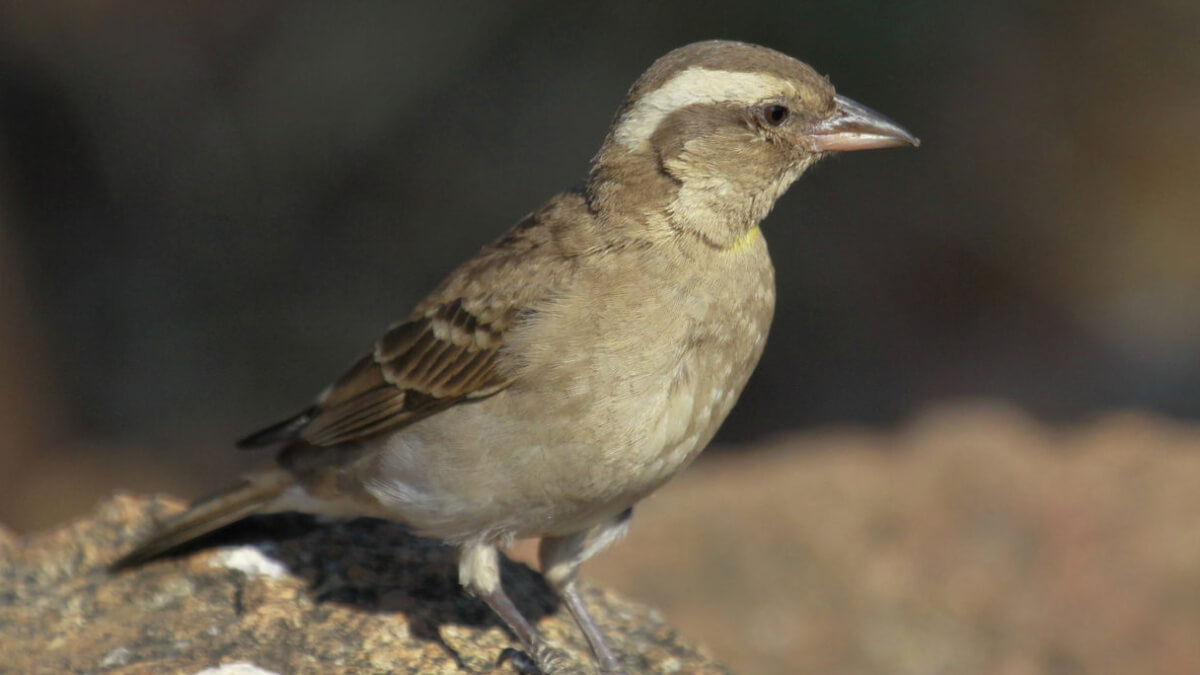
544 661
520 661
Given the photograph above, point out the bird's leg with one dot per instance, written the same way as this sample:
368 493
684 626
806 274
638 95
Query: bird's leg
503 606
560 559
479 573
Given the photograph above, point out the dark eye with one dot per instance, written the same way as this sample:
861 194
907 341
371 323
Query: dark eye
775 114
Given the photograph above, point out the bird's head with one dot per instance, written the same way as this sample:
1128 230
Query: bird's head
714 132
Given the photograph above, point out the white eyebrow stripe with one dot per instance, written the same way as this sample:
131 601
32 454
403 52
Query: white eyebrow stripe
690 87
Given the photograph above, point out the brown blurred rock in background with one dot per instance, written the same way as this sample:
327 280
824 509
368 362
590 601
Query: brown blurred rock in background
973 540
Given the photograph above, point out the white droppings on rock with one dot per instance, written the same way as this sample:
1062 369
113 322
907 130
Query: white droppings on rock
250 561
236 668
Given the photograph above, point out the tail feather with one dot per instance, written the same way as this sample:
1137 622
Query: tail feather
280 432
226 507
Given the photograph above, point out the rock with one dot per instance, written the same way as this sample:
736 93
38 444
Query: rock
974 539
281 594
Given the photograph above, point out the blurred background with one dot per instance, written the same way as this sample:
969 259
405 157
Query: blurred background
207 210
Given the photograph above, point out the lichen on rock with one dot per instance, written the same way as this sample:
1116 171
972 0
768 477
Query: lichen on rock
280 594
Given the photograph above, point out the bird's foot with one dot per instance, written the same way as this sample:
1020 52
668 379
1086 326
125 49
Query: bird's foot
545 660
520 661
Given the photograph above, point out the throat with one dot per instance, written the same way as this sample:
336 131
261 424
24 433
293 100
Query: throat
726 216
722 239
639 192
748 238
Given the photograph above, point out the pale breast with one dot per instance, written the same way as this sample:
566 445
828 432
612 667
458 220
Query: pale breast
618 387
728 333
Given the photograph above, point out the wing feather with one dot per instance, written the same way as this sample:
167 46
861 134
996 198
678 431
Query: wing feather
410 375
449 349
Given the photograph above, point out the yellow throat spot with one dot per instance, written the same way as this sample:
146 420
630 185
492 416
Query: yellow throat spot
751 236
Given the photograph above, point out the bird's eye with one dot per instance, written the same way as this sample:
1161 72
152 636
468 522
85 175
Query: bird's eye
775 114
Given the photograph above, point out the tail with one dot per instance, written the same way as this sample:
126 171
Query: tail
211 513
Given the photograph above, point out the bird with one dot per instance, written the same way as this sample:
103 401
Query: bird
580 361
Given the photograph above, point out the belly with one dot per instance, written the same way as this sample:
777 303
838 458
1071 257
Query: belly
531 462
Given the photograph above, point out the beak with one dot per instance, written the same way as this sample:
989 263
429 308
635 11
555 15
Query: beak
854 126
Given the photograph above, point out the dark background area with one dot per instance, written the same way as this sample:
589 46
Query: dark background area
207 210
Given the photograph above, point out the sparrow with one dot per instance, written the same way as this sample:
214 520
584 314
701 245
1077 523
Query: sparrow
576 364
